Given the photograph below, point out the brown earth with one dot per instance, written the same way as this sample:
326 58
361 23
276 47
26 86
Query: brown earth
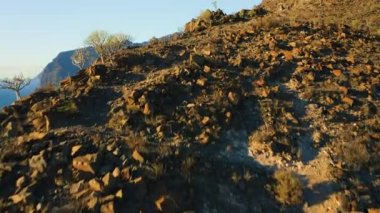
200 122
359 15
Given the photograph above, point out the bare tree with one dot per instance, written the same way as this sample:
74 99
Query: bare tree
80 57
115 43
215 4
17 83
98 40
106 45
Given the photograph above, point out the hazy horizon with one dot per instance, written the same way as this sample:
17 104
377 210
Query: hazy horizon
33 33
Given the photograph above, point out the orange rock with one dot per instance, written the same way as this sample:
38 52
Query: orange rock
107 208
375 136
34 136
288 55
369 67
84 163
260 82
264 92
207 51
293 44
206 69
159 202
137 180
147 109
350 58
137 156
39 123
205 120
337 72
201 82
348 100
355 70
165 204
296 51
92 202
75 149
95 185
273 53
203 138
233 97
344 90
373 210
310 76
20 197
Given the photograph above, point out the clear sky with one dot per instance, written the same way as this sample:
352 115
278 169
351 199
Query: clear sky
32 33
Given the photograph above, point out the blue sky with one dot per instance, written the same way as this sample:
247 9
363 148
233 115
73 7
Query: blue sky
34 32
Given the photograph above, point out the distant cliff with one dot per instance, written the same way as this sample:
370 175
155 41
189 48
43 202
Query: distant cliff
61 67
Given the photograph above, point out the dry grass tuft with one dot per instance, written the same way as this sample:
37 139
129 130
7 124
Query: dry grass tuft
354 155
288 188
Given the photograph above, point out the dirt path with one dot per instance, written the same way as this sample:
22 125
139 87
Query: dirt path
320 190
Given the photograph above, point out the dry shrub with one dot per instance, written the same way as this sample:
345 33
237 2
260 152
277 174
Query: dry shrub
136 141
157 170
354 155
154 41
288 188
68 107
268 22
187 167
137 69
205 15
262 136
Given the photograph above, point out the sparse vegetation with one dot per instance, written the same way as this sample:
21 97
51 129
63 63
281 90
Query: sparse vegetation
80 58
169 123
16 84
98 40
354 155
215 4
68 107
268 22
205 15
187 167
158 170
106 45
288 188
115 43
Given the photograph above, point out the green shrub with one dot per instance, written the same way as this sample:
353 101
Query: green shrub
68 107
288 188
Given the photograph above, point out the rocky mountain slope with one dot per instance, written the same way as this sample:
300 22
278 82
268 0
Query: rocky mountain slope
241 113
359 15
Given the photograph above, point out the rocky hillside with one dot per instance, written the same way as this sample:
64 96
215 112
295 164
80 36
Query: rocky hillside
360 15
238 114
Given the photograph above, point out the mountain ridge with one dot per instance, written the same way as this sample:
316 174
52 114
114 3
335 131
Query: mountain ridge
61 67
